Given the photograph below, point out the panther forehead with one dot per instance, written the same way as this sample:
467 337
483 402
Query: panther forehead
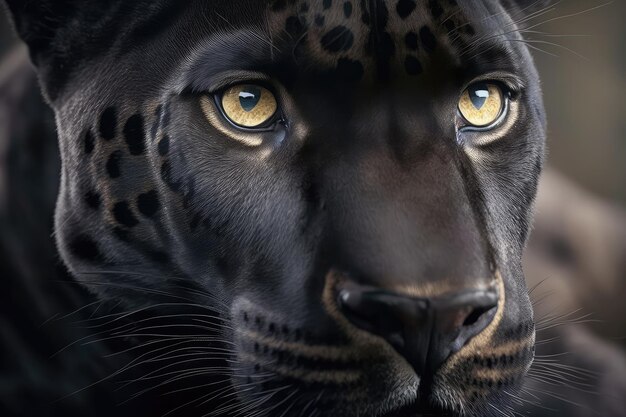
368 39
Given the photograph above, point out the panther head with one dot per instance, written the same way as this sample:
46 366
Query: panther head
352 181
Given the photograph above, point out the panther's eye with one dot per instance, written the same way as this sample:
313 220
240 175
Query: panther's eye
481 104
248 105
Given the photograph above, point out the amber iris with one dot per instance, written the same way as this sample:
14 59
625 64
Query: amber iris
249 105
481 104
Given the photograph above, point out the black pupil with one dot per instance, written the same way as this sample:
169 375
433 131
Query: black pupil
479 93
249 97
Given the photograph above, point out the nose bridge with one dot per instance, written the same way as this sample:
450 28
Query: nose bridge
395 115
401 225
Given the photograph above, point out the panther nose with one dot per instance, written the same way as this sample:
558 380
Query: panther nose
426 331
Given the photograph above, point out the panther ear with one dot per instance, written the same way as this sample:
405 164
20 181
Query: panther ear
38 23
56 32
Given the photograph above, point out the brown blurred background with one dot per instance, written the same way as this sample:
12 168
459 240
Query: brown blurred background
585 97
577 252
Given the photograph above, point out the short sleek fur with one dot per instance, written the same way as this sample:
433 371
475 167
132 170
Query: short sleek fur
365 178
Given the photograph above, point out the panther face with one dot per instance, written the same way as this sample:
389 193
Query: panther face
351 179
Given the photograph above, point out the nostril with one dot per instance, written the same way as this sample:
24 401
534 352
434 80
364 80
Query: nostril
465 312
375 311
383 313
475 315
355 308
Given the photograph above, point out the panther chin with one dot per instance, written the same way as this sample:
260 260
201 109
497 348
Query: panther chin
418 409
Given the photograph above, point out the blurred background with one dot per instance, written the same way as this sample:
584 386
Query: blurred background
584 94
576 259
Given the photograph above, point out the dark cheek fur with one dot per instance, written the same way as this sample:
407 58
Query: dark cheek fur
123 214
84 248
108 123
405 8
89 142
338 39
92 199
113 164
134 134
148 203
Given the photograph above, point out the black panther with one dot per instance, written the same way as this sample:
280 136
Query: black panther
333 195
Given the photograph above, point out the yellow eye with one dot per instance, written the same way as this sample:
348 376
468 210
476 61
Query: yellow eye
481 104
248 105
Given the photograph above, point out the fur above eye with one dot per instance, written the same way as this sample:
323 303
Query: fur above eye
248 105
482 104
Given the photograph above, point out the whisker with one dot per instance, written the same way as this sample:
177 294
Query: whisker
183 280
561 398
124 315
555 35
56 317
535 41
483 39
571 14
284 400
537 285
